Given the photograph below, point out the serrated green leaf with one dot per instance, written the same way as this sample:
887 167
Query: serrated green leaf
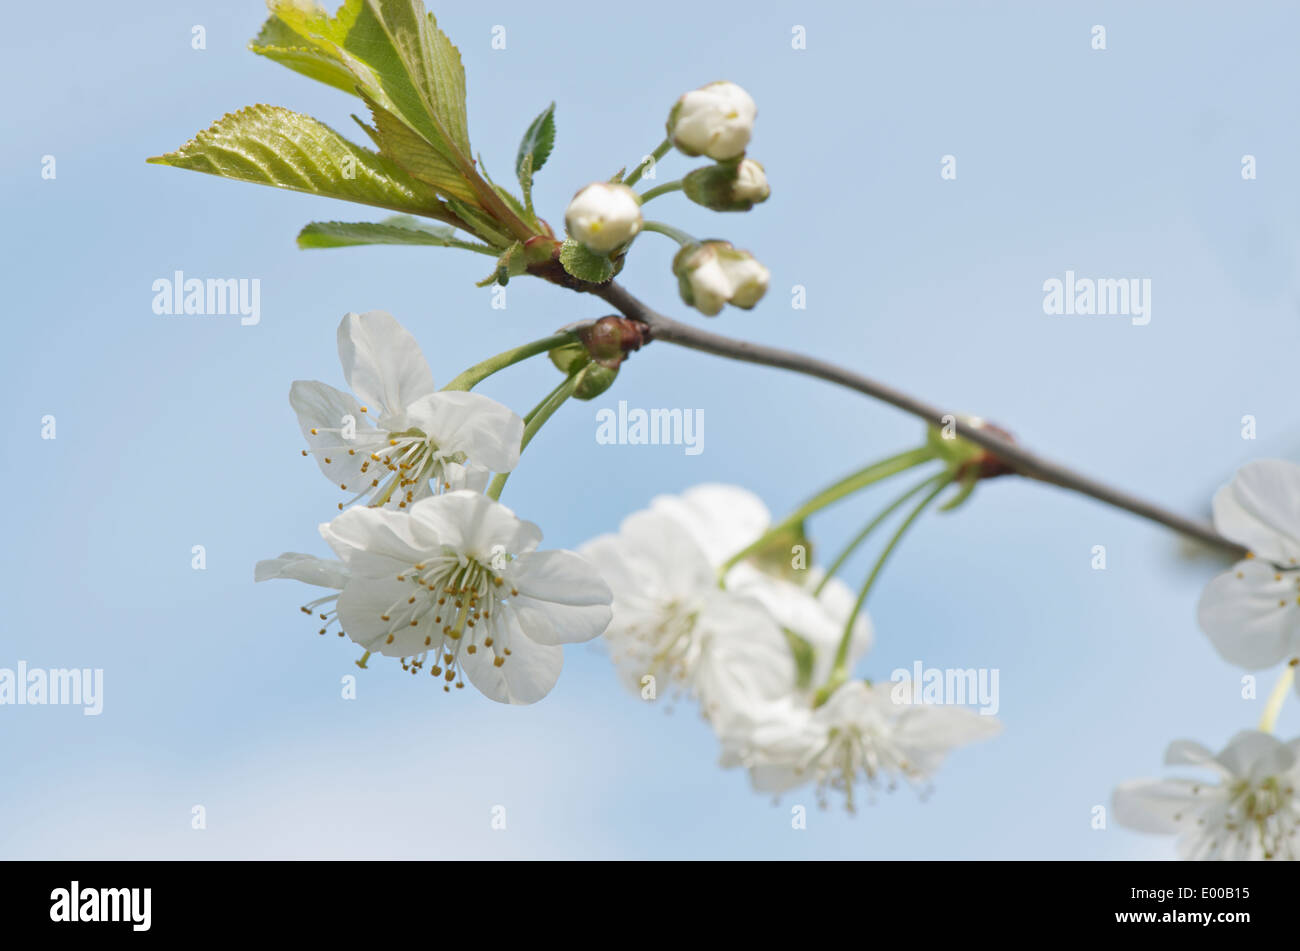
526 185
514 204
403 145
585 264
286 38
393 50
269 145
405 66
538 141
397 230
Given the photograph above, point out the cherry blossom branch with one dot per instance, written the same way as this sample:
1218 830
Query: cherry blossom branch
1013 456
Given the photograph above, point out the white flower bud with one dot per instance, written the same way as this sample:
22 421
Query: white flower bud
714 273
715 120
751 182
748 278
604 216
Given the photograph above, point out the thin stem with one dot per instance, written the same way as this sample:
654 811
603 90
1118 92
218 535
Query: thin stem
871 526
840 670
663 189
481 371
533 422
1021 460
864 477
1275 700
660 151
678 235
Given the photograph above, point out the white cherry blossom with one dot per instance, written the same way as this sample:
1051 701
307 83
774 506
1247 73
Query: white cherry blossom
860 736
1248 810
456 584
1251 613
673 624
421 441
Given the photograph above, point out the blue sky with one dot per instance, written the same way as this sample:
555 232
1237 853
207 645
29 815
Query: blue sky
175 432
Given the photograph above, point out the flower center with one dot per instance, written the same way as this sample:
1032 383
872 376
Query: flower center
409 460
853 753
394 466
663 644
452 601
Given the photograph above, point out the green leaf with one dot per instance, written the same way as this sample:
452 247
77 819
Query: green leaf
585 264
393 50
408 149
305 41
396 230
268 145
526 183
413 78
511 264
537 142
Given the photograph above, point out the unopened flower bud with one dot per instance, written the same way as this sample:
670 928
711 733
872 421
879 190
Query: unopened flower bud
715 120
604 216
611 338
594 379
714 273
728 186
540 248
603 343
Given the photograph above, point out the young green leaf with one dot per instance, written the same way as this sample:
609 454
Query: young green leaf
526 184
393 51
268 145
407 148
511 264
399 229
308 42
537 142
585 264
411 75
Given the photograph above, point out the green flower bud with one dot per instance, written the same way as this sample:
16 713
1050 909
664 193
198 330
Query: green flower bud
594 379
728 186
569 357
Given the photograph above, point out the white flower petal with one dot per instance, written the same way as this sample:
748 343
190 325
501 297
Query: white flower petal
322 408
362 606
324 572
487 432
475 526
382 362
1150 805
562 599
528 673
1251 614
1255 755
1191 753
1260 508
723 519
371 541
